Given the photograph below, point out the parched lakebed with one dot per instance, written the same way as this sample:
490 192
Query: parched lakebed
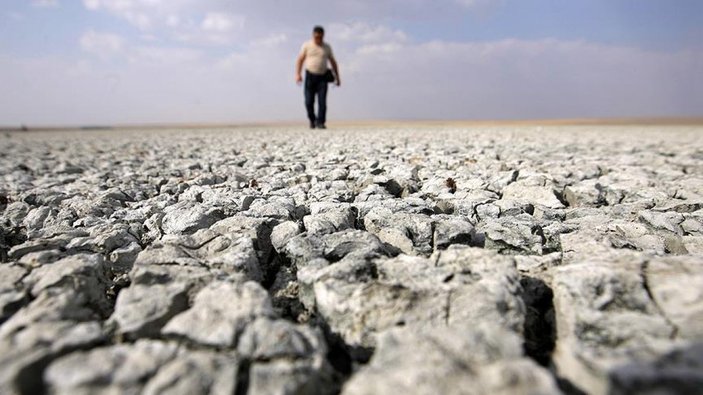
366 260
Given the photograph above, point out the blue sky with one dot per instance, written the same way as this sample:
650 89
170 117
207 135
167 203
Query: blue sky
130 61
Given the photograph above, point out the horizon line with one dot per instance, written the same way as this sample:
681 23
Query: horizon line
695 120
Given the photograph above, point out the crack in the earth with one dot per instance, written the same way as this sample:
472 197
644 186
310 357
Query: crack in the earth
644 268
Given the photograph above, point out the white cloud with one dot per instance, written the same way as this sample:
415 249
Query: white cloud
173 20
155 55
104 45
272 40
45 3
220 22
140 13
15 16
519 79
480 7
142 21
91 4
372 49
477 3
365 33
208 22
114 48
215 22
217 28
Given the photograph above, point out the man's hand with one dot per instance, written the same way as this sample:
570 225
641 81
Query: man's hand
299 68
335 68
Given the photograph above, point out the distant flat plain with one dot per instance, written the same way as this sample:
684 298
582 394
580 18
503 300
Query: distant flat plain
345 124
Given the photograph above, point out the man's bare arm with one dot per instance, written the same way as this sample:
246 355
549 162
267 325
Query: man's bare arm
335 68
299 68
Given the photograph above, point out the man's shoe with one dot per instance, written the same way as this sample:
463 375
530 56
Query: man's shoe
321 127
312 125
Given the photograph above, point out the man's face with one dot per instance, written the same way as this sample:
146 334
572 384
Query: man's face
317 37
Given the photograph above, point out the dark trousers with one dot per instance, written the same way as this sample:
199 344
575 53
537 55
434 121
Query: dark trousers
316 85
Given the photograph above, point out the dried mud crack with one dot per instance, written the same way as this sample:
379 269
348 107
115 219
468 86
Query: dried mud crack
358 261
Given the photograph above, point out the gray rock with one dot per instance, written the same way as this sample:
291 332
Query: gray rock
36 245
153 228
142 310
485 211
68 168
123 258
55 304
410 233
10 302
676 372
538 265
359 300
670 221
452 230
534 194
330 221
281 208
288 378
675 245
605 318
693 225
103 242
303 249
513 208
12 295
375 193
408 205
36 217
258 230
233 256
15 212
632 235
680 206
585 193
84 274
196 372
186 218
39 258
11 277
589 239
266 339
195 277
502 178
165 254
214 323
24 354
404 180
517 235
205 248
693 244
478 359
88 207
282 233
288 358
332 191
672 284
238 226
53 337
122 368
437 188
285 295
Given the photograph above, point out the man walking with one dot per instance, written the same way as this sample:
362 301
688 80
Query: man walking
316 54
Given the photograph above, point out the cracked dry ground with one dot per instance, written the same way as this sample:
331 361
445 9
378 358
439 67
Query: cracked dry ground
518 260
